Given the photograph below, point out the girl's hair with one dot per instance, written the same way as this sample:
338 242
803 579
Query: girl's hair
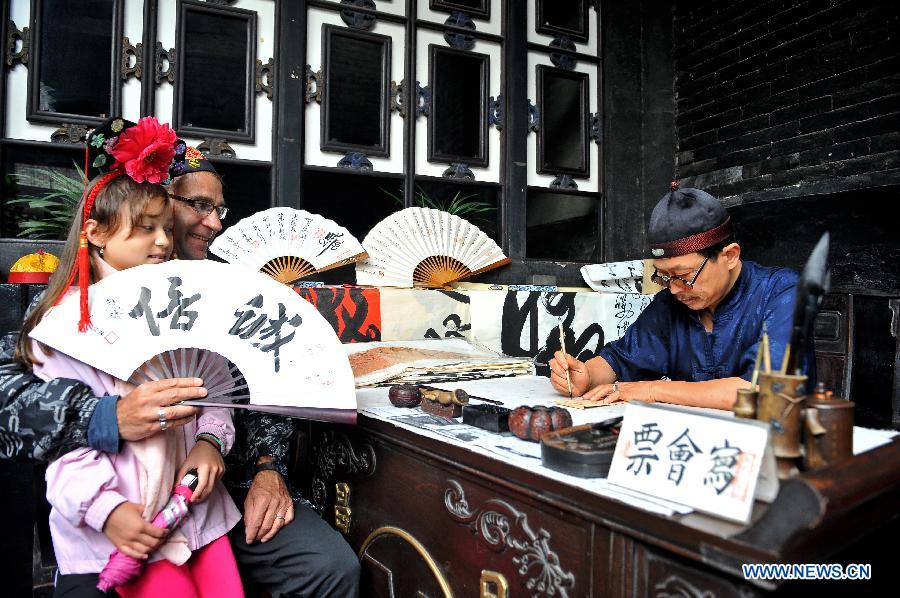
120 191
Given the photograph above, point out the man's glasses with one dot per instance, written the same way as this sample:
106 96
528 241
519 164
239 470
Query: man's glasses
202 207
677 282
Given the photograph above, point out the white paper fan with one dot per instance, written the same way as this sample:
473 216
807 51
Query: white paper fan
160 321
287 244
425 247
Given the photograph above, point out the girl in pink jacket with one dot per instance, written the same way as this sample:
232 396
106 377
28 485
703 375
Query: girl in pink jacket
101 502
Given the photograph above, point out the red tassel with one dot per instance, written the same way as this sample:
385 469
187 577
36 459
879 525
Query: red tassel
82 259
83 266
674 185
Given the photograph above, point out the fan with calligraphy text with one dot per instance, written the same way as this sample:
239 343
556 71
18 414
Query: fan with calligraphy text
424 247
256 343
287 244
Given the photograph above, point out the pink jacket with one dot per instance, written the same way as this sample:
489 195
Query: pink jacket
84 486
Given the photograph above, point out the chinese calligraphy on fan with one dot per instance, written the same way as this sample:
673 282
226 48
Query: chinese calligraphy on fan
331 241
182 318
269 333
267 328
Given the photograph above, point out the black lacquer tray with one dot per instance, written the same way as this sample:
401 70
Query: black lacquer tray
585 451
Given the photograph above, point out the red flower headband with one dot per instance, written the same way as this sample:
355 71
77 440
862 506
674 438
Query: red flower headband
142 151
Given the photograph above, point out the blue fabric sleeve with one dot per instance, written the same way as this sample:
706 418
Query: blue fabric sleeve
642 353
103 429
778 319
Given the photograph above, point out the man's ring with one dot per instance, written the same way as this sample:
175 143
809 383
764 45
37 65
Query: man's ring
615 387
163 424
279 516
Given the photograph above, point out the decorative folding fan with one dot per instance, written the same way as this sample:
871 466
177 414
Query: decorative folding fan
176 319
287 244
426 247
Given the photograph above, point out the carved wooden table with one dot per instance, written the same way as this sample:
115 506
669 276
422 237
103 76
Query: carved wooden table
432 519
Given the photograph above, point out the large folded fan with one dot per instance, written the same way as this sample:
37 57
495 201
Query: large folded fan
425 247
287 244
191 318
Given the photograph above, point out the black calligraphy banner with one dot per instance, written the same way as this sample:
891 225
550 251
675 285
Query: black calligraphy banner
531 328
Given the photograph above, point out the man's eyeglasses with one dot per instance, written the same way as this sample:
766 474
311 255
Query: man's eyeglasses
676 281
202 207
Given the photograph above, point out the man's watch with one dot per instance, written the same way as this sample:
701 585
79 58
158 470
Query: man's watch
273 465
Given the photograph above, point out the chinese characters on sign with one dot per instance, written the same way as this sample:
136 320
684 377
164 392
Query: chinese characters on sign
681 450
645 440
709 462
724 459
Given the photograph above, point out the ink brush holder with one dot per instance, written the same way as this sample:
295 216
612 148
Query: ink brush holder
781 403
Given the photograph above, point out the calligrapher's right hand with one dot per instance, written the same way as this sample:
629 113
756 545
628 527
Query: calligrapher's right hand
137 412
578 374
130 533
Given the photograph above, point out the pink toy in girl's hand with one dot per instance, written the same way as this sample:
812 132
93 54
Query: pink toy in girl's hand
121 568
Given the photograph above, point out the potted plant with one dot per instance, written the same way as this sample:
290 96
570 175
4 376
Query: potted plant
47 214
458 205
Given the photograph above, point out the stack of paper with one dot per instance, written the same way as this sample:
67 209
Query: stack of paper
429 361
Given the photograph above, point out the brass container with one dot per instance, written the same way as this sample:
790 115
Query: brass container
829 432
780 403
745 403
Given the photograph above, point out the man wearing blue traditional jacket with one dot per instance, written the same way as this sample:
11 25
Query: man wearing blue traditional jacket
696 343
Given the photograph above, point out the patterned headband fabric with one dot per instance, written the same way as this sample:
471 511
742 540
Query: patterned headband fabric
693 243
686 221
189 159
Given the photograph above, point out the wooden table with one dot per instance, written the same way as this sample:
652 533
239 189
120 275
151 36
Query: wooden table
430 518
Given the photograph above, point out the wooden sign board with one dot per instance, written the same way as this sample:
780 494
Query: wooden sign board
709 462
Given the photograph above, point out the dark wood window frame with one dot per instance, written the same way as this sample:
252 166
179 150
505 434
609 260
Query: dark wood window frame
580 35
33 111
542 166
247 135
483 11
382 149
481 159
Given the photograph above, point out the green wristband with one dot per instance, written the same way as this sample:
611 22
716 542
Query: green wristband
212 439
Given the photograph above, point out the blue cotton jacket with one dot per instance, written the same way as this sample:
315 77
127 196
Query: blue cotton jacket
669 340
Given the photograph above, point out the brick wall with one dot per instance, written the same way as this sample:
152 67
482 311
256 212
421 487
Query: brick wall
784 98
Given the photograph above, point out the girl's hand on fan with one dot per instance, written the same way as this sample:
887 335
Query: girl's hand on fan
130 533
210 466
138 412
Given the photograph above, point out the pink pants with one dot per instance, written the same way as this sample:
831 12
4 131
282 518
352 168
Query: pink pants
210 572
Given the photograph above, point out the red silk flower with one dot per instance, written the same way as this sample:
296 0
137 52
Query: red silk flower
146 151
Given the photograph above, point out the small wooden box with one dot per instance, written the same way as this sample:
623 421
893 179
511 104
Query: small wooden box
434 408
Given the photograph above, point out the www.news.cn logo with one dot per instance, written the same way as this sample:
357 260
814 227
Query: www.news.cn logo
807 571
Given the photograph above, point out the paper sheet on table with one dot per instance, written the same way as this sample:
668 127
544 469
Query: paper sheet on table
428 361
865 439
513 392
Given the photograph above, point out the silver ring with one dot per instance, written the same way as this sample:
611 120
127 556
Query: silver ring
279 516
161 414
616 386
